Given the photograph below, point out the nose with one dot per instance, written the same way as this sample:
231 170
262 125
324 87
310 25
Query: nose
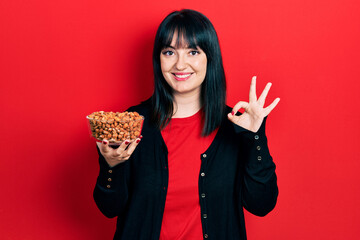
180 62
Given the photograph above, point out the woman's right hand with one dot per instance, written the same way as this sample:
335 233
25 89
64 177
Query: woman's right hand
119 155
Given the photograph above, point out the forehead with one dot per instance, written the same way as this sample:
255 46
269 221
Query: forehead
177 40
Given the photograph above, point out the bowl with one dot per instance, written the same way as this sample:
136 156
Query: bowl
115 127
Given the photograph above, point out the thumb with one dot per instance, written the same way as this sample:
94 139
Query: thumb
231 116
104 146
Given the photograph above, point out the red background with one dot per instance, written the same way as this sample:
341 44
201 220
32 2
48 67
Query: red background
61 60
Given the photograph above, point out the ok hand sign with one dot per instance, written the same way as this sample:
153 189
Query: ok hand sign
255 112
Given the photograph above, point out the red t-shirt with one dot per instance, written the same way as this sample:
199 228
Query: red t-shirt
182 218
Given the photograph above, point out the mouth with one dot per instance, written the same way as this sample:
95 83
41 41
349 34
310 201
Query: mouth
181 76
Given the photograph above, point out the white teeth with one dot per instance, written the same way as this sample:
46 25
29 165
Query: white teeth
183 76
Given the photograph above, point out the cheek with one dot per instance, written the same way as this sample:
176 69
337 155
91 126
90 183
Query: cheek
201 66
165 65
162 64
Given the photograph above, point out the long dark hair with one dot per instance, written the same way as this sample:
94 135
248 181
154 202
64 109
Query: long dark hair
197 30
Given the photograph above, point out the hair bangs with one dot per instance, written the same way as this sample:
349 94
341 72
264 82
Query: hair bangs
185 33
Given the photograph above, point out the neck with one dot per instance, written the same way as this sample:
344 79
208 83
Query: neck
186 105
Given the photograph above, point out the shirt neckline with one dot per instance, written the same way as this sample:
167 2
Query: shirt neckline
189 119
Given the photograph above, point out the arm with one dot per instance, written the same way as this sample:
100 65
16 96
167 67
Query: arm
111 189
259 188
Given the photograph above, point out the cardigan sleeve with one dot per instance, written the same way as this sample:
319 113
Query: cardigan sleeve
259 188
111 189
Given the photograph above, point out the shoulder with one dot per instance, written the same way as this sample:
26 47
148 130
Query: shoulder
227 109
226 124
144 108
225 119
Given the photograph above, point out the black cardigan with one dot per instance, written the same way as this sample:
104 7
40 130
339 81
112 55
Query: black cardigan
236 171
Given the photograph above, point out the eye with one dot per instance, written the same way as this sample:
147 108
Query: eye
168 53
194 52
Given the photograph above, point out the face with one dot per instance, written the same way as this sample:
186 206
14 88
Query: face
183 68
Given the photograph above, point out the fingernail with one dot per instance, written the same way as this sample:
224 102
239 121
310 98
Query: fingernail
104 142
137 140
141 136
127 142
232 112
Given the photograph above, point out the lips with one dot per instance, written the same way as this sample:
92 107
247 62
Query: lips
181 76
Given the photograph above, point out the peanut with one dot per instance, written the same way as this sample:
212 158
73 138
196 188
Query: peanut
115 127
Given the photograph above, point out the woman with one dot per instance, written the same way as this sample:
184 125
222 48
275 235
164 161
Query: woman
199 163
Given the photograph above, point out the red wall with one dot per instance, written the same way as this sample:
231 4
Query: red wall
61 60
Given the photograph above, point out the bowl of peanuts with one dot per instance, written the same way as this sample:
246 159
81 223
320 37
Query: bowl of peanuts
115 127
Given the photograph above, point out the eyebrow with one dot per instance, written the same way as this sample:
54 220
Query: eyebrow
189 47
168 46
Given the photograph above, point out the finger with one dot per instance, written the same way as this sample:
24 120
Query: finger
252 93
269 108
132 146
239 106
103 146
264 93
122 147
236 108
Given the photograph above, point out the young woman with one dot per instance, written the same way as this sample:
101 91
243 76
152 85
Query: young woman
200 162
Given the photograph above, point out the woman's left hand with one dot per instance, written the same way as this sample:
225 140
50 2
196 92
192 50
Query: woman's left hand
255 112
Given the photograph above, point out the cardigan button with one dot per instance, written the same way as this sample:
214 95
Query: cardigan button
108 186
258 148
203 195
256 137
202 174
205 215
204 155
206 236
110 171
259 158
109 179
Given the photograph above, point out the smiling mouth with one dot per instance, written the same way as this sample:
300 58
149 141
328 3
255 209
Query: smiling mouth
181 76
